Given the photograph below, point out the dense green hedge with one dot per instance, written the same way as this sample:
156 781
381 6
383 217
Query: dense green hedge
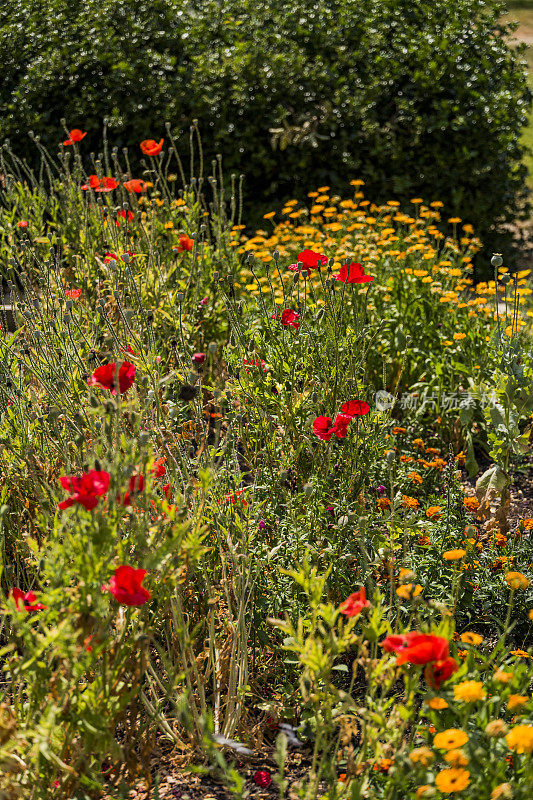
418 98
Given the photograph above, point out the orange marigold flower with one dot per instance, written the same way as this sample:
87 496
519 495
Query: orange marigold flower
528 524
397 431
409 502
419 443
472 503
434 512
383 502
415 477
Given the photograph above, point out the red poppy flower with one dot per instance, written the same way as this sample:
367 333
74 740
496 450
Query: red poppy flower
22 224
74 294
437 672
290 318
259 363
325 428
184 244
113 256
354 604
125 586
135 185
86 489
105 376
417 648
151 148
100 184
198 358
262 778
27 599
356 274
159 469
355 408
237 497
75 135
126 215
167 491
309 259
136 485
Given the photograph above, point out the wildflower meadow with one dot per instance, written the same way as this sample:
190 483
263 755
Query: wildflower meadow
266 493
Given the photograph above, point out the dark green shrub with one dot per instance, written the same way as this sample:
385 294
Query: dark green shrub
417 98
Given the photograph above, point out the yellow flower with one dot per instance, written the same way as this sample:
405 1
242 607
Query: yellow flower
269 215
457 758
422 755
425 791
459 336
530 614
502 792
516 700
520 653
408 591
503 677
450 739
469 691
437 703
453 555
496 727
516 580
357 182
452 780
520 739
469 637
454 220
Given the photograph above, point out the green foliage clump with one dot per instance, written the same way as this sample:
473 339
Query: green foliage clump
418 99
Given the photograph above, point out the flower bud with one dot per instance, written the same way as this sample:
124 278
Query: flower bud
496 728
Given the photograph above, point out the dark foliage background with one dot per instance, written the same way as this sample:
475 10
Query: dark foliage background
417 98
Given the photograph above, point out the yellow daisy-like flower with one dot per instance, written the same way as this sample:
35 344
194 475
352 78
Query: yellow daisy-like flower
516 700
469 637
453 555
520 653
450 739
520 739
502 677
496 728
469 691
437 703
269 215
502 792
452 780
516 580
455 220
457 758
408 591
422 755
459 336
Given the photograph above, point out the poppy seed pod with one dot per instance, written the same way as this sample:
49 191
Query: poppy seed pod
496 260
505 279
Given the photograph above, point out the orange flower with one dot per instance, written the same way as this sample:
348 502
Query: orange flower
516 580
409 502
453 555
452 780
528 524
450 739
383 502
472 503
516 700
433 512
75 135
408 590
437 703
151 148
415 477
135 185
397 431
184 244
469 637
